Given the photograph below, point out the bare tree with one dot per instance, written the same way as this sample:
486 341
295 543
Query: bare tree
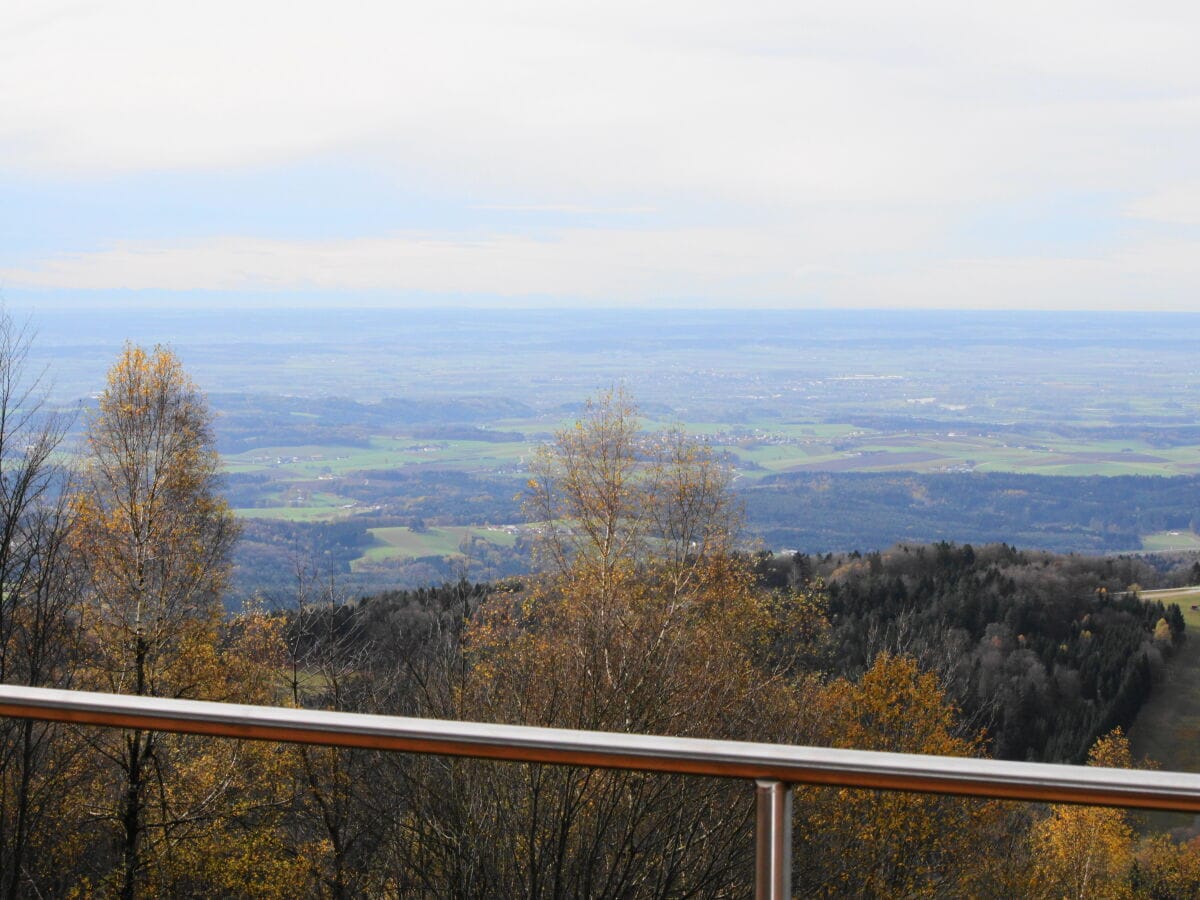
36 625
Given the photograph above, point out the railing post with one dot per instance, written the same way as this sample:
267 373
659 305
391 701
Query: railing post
773 840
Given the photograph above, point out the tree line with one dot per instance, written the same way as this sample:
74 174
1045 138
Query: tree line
643 616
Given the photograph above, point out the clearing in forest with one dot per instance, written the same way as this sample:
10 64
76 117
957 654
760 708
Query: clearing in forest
1167 729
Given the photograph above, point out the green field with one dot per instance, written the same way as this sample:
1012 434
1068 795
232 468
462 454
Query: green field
292 513
843 449
303 480
309 461
1171 540
404 543
1167 729
758 448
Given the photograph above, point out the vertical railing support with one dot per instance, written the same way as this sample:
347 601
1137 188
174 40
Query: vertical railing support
773 840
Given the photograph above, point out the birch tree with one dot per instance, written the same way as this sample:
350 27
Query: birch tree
155 536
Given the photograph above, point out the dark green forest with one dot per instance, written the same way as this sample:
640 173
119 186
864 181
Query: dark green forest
1043 652
842 511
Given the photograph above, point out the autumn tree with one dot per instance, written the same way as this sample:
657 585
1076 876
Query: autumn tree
644 621
155 536
1086 851
888 843
1164 868
613 501
586 496
223 826
649 620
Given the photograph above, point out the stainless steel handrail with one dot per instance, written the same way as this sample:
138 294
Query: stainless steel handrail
773 766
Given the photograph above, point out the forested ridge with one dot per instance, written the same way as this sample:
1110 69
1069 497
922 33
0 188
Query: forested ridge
1045 652
1086 514
644 614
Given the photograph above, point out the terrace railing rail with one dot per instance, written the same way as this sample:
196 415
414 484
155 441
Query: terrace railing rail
773 767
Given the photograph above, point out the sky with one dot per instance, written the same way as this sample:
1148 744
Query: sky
621 154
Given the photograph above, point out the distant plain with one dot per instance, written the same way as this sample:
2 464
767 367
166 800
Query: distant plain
372 415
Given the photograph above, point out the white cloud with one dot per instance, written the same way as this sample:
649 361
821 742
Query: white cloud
831 147
1145 277
710 266
1178 204
588 264
753 103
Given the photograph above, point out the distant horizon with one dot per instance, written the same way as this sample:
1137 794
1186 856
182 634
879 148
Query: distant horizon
326 350
22 308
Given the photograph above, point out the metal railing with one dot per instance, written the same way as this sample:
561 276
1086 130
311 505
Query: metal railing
773 767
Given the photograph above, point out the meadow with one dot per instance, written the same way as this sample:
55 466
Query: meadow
1167 729
1171 542
401 542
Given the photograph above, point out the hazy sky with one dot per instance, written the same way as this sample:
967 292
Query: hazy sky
874 154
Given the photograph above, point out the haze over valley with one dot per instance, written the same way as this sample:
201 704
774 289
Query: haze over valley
398 442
